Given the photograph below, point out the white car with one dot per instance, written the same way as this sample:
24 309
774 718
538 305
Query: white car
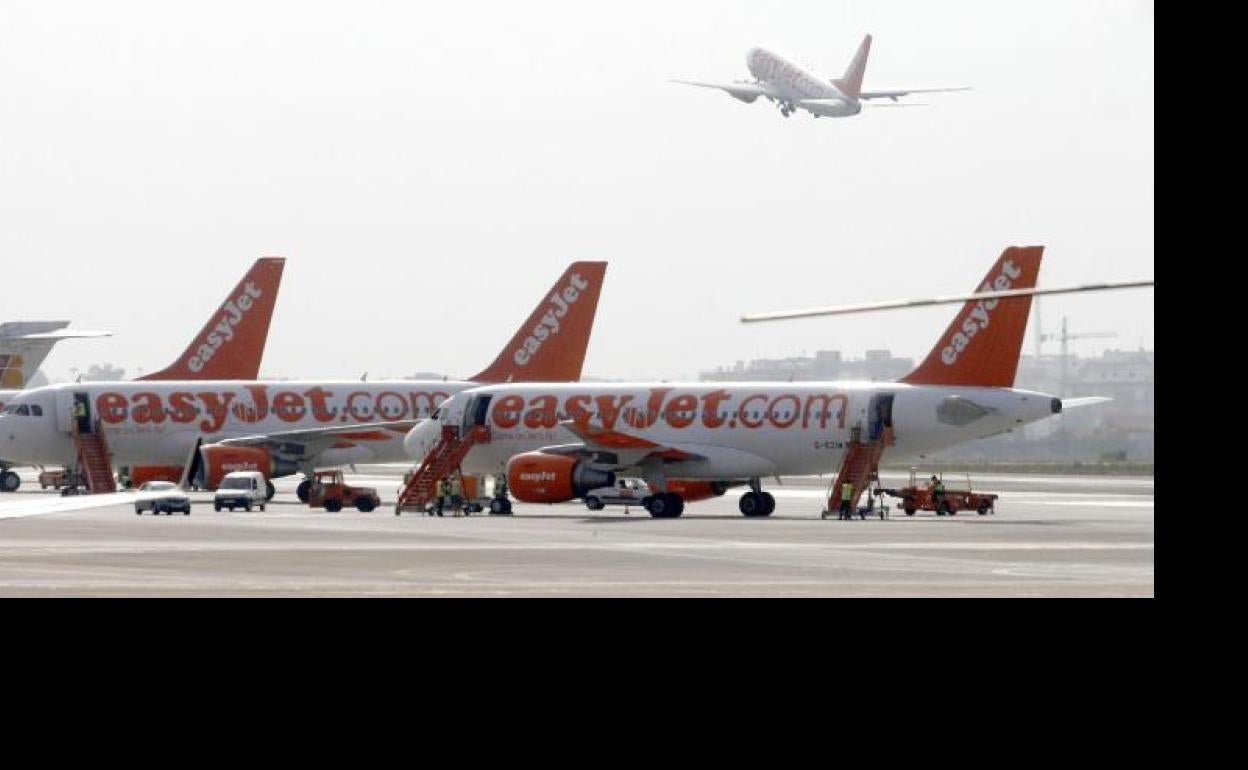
162 496
625 492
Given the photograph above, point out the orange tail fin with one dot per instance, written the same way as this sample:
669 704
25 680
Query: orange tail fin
231 344
550 346
982 345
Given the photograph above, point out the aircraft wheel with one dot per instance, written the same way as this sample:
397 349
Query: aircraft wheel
769 504
301 491
500 506
753 504
666 505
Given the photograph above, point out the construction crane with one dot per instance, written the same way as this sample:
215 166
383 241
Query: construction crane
1065 337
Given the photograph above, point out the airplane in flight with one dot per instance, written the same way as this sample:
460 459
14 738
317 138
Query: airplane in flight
553 443
201 430
792 87
229 346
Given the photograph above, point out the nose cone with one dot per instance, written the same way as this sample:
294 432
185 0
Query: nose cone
420 439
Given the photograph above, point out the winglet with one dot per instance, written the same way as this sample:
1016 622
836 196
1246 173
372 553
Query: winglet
231 344
550 345
982 345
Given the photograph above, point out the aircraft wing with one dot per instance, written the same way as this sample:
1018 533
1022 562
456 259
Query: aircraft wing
627 445
616 450
322 438
897 94
746 92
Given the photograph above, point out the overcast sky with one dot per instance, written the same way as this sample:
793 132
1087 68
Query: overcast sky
430 168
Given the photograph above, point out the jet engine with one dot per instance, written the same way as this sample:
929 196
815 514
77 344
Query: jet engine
692 491
213 462
141 474
535 477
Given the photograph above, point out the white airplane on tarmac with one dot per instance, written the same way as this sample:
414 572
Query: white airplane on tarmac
793 87
553 443
23 347
229 346
200 430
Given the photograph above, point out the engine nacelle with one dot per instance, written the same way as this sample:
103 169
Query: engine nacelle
747 98
535 477
216 461
692 491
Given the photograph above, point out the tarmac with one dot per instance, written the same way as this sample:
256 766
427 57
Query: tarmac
1051 536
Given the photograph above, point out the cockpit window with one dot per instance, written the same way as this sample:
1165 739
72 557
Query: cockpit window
36 410
23 410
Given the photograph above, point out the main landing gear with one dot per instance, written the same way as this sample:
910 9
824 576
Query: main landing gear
664 505
756 502
500 505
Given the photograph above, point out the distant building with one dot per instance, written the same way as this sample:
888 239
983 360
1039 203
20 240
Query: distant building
876 366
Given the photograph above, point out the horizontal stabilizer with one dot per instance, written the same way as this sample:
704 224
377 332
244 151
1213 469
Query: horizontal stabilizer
1075 403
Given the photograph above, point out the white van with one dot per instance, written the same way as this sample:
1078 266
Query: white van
241 489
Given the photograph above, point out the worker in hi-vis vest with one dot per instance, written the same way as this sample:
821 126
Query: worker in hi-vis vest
847 498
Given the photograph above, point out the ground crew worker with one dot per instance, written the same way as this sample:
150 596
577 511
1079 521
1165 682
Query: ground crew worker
440 499
80 414
847 500
457 495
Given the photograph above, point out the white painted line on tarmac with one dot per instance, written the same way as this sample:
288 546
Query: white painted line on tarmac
18 509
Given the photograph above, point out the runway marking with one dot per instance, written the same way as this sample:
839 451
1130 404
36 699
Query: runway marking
41 506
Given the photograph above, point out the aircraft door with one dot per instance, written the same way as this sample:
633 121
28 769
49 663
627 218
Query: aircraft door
879 415
64 411
477 412
82 411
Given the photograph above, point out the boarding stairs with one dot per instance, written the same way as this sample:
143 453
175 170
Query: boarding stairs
860 467
95 467
444 458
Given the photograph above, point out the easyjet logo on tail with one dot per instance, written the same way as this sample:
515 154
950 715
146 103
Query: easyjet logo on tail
550 344
234 312
981 313
561 301
996 326
231 344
